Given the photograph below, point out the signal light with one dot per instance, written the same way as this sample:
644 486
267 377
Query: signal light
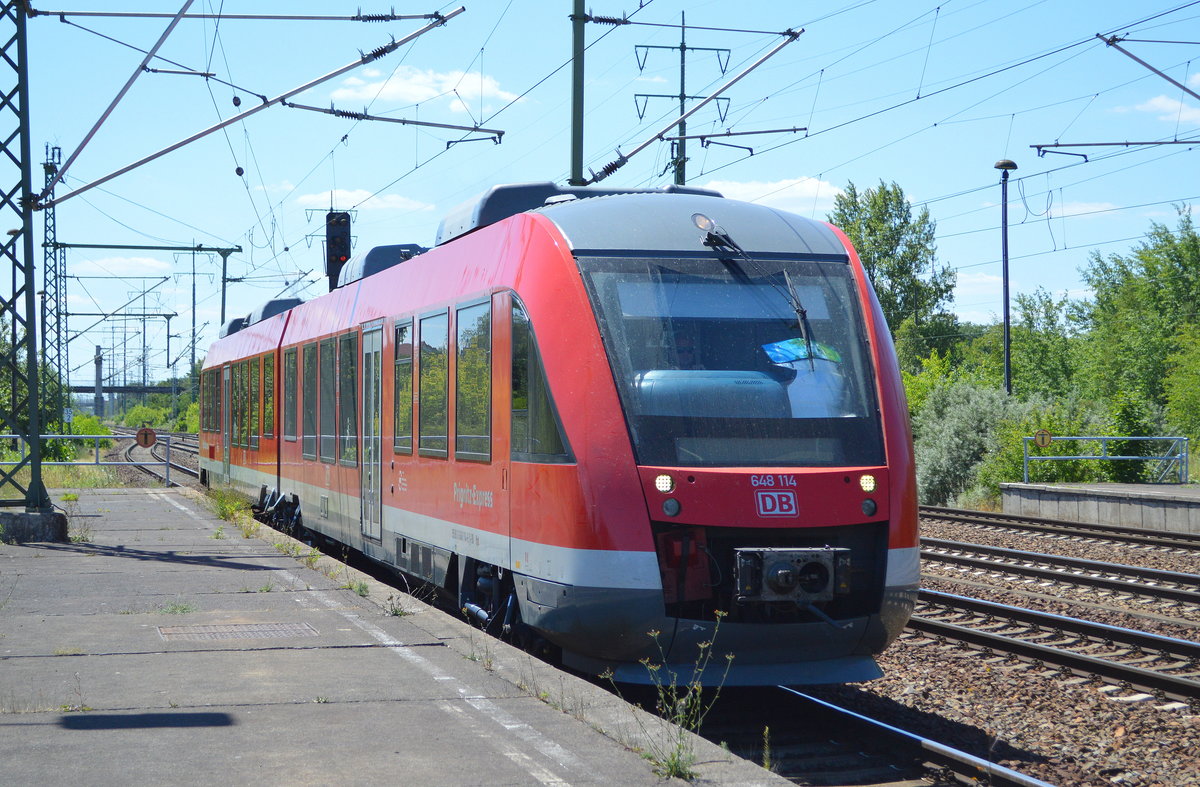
337 238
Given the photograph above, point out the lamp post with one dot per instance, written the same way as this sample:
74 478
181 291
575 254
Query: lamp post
1005 166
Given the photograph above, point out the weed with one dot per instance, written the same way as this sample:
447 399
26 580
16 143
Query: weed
79 533
227 504
78 706
219 533
248 525
394 607
267 588
311 558
172 704
766 760
359 586
683 705
70 497
321 699
68 651
178 608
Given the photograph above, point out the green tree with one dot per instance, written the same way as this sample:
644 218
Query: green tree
898 252
1183 384
1141 300
1042 347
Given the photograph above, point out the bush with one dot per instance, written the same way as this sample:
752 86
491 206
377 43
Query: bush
144 415
955 429
1065 417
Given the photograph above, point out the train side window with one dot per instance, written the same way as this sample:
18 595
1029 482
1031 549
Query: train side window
308 443
255 405
205 402
432 391
473 383
268 395
402 404
239 373
328 384
537 435
348 399
289 395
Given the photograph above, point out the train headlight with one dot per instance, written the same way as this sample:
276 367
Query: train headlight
664 483
671 507
703 222
867 482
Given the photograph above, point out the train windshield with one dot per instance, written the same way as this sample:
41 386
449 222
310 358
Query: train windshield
753 362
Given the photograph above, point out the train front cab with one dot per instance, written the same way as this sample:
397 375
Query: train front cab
767 422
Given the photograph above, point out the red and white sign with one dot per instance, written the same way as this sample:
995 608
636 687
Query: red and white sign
775 502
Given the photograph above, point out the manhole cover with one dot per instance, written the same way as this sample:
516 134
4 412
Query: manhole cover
237 631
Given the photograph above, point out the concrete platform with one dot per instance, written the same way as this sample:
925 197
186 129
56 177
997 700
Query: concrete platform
1172 508
161 647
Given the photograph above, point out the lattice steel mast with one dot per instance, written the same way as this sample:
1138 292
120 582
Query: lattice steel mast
18 360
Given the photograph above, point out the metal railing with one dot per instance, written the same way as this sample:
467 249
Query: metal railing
97 460
1173 461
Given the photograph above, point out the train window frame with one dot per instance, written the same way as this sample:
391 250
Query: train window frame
347 396
402 371
268 396
475 447
424 364
327 400
533 372
291 375
253 398
308 426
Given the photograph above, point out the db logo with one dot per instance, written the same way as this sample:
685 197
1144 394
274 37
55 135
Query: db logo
772 502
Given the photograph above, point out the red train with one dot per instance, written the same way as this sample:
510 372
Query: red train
596 414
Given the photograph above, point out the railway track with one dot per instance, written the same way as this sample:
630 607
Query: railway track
1163 667
158 458
1148 582
809 740
1189 542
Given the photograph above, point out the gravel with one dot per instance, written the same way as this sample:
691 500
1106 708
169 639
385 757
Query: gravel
1062 730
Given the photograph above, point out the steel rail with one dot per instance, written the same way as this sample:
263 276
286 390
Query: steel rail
1065 527
1141 580
1159 683
959 762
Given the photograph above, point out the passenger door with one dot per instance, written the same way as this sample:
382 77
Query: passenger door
372 459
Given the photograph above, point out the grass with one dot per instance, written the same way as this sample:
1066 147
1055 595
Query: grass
178 608
70 477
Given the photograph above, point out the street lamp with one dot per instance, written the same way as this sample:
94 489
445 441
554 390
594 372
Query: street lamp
1005 166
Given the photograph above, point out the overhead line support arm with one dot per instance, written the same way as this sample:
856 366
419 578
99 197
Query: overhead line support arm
363 60
622 158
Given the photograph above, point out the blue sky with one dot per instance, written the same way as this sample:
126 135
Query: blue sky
928 95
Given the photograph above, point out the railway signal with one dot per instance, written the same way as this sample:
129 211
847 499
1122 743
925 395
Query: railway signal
337 244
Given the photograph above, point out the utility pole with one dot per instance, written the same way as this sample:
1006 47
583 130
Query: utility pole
55 351
20 413
679 143
578 20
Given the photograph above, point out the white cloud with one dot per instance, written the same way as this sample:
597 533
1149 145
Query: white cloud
409 85
655 79
361 199
121 266
1194 80
1171 110
976 288
806 196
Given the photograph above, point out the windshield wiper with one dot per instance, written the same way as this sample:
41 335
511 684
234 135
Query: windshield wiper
717 238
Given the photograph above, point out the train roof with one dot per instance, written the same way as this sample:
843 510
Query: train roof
377 259
500 202
647 222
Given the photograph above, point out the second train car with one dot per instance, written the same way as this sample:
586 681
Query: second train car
593 415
